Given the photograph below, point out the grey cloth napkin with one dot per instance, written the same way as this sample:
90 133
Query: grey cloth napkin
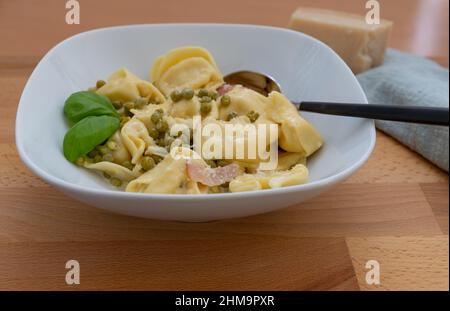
405 79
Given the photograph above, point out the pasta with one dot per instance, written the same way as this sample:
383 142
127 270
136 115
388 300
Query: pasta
120 153
174 137
297 135
185 67
136 138
113 170
123 85
167 177
250 182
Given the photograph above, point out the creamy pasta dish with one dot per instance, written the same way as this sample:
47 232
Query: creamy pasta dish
185 131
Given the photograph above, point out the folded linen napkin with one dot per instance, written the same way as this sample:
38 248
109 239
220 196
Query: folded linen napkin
406 79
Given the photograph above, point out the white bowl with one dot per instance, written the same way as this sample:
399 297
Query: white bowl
305 68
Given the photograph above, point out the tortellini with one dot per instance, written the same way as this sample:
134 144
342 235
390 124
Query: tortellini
156 151
296 134
167 177
295 176
286 160
246 183
244 100
136 138
122 85
185 67
114 170
120 153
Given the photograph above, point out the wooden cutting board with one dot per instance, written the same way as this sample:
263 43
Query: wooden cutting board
394 210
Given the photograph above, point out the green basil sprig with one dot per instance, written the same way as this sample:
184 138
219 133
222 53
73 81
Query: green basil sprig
86 134
80 105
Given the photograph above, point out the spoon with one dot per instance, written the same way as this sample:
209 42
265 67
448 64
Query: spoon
265 84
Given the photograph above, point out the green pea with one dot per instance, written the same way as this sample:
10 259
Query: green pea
162 126
156 117
213 95
187 93
99 84
112 145
253 116
231 116
140 102
117 104
153 133
202 93
115 182
127 164
205 99
205 108
176 96
147 163
103 149
225 101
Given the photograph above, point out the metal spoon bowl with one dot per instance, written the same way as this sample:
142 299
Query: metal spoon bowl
264 84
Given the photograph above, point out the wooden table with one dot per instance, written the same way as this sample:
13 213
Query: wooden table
394 210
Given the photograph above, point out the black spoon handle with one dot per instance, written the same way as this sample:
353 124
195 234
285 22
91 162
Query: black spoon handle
424 115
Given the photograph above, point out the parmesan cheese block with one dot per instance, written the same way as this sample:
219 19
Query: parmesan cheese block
359 44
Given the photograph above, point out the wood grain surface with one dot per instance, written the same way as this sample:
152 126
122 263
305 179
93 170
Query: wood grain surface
394 210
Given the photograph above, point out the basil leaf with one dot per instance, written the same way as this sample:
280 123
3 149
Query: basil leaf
83 104
85 135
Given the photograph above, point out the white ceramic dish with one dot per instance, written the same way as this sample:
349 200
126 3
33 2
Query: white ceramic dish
305 68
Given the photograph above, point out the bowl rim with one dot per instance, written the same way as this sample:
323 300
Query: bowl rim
71 187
